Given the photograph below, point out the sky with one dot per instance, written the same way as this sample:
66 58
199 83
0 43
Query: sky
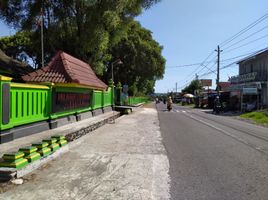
189 30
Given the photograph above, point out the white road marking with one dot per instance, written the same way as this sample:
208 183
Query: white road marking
260 149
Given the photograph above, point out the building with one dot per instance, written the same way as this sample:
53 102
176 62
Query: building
65 91
251 85
13 68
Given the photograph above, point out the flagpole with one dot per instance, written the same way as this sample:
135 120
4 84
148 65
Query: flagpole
42 35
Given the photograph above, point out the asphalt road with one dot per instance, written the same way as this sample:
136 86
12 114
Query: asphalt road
214 157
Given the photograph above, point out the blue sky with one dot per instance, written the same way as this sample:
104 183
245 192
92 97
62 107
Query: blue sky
189 30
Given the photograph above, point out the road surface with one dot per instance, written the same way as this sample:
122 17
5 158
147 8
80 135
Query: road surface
119 161
214 157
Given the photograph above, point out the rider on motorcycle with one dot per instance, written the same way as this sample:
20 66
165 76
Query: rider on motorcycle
217 105
169 103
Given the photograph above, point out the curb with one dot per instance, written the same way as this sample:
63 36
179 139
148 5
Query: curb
7 174
83 131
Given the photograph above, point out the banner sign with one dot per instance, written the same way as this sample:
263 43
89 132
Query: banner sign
64 101
206 82
243 78
252 90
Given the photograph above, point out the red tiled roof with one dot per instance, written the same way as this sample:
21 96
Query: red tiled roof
64 68
224 84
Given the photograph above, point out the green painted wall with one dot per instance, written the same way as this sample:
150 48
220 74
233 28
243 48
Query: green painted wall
97 101
74 111
107 98
28 105
32 103
137 100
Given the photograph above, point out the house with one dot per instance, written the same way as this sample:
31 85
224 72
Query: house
13 68
251 85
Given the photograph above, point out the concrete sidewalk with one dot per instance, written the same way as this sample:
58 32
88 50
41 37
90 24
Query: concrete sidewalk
68 130
125 160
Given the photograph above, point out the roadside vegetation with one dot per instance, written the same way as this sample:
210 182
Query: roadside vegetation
260 117
97 32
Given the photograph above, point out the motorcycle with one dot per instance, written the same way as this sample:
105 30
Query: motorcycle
169 107
217 109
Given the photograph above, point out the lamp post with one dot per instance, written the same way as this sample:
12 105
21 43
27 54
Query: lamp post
116 62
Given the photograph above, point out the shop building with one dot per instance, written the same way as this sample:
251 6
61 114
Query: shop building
251 85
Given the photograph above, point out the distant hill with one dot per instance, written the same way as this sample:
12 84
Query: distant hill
13 68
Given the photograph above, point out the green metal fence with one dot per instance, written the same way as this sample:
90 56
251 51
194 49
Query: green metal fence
97 99
137 100
28 103
107 98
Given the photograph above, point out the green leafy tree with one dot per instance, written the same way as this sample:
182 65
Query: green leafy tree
143 62
21 46
83 28
194 85
96 31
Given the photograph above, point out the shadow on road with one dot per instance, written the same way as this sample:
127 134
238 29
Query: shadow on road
227 114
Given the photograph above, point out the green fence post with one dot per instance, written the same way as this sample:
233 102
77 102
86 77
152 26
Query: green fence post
49 100
102 99
4 101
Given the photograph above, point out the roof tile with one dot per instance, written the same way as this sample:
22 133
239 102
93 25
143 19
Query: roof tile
65 68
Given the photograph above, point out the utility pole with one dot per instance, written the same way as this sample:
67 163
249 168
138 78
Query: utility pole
218 69
176 87
42 34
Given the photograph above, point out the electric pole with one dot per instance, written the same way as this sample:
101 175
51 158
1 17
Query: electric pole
176 87
218 70
42 34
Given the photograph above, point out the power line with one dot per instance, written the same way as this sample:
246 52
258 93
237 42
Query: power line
224 67
193 72
189 80
246 37
229 65
240 56
186 65
204 66
210 71
250 26
247 43
194 64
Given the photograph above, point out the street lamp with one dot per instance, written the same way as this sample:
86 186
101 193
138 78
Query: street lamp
116 62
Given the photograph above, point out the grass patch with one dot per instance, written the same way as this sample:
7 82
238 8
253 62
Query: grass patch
260 117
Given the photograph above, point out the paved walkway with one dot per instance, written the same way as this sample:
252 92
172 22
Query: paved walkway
62 130
125 160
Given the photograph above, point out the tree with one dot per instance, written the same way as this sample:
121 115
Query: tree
95 31
141 55
20 47
194 85
13 68
83 28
